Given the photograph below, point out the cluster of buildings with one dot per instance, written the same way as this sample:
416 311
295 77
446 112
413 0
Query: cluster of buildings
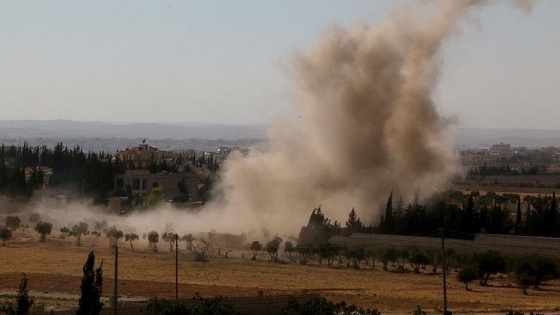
137 178
546 159
189 169
143 168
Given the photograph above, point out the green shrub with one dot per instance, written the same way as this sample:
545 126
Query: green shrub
218 306
320 305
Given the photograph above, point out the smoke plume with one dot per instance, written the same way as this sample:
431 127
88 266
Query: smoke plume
368 124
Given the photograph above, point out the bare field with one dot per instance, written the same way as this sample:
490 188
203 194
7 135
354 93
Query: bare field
54 270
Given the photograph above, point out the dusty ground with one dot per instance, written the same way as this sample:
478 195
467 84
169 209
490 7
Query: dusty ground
54 270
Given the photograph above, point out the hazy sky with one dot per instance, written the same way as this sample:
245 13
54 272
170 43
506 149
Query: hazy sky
230 61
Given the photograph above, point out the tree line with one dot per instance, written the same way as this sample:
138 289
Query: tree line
468 213
82 174
530 270
199 245
505 169
461 214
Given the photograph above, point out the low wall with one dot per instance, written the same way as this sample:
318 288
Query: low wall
508 244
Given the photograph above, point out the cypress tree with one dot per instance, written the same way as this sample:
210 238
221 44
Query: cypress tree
518 217
22 300
552 216
388 224
353 224
3 172
469 222
91 287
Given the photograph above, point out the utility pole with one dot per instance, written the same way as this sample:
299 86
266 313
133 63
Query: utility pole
176 266
115 297
443 260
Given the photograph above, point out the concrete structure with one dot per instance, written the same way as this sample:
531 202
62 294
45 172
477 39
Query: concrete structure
144 155
117 204
501 150
142 182
139 157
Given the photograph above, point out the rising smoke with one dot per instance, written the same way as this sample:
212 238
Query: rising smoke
368 124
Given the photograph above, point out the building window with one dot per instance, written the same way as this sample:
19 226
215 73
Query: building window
155 184
136 184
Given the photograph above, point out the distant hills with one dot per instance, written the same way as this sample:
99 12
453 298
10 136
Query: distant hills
67 128
109 136
465 138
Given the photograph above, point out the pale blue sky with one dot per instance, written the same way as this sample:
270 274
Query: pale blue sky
228 61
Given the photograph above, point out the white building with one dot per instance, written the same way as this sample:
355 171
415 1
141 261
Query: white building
501 150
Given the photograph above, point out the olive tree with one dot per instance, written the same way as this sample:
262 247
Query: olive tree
532 270
44 228
200 248
329 251
466 275
100 225
272 248
188 238
488 263
153 239
5 234
13 222
76 231
131 237
114 235
417 259
170 238
255 247
34 218
289 249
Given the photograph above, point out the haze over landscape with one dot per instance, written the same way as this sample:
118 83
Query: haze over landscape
322 129
369 106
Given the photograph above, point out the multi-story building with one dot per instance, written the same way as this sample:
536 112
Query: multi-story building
501 150
141 156
474 157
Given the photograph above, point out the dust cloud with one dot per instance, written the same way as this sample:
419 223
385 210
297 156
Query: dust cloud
165 218
368 125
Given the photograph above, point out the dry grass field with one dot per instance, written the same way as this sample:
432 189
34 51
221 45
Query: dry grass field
54 270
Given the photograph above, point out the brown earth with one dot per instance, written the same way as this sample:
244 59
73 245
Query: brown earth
54 270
